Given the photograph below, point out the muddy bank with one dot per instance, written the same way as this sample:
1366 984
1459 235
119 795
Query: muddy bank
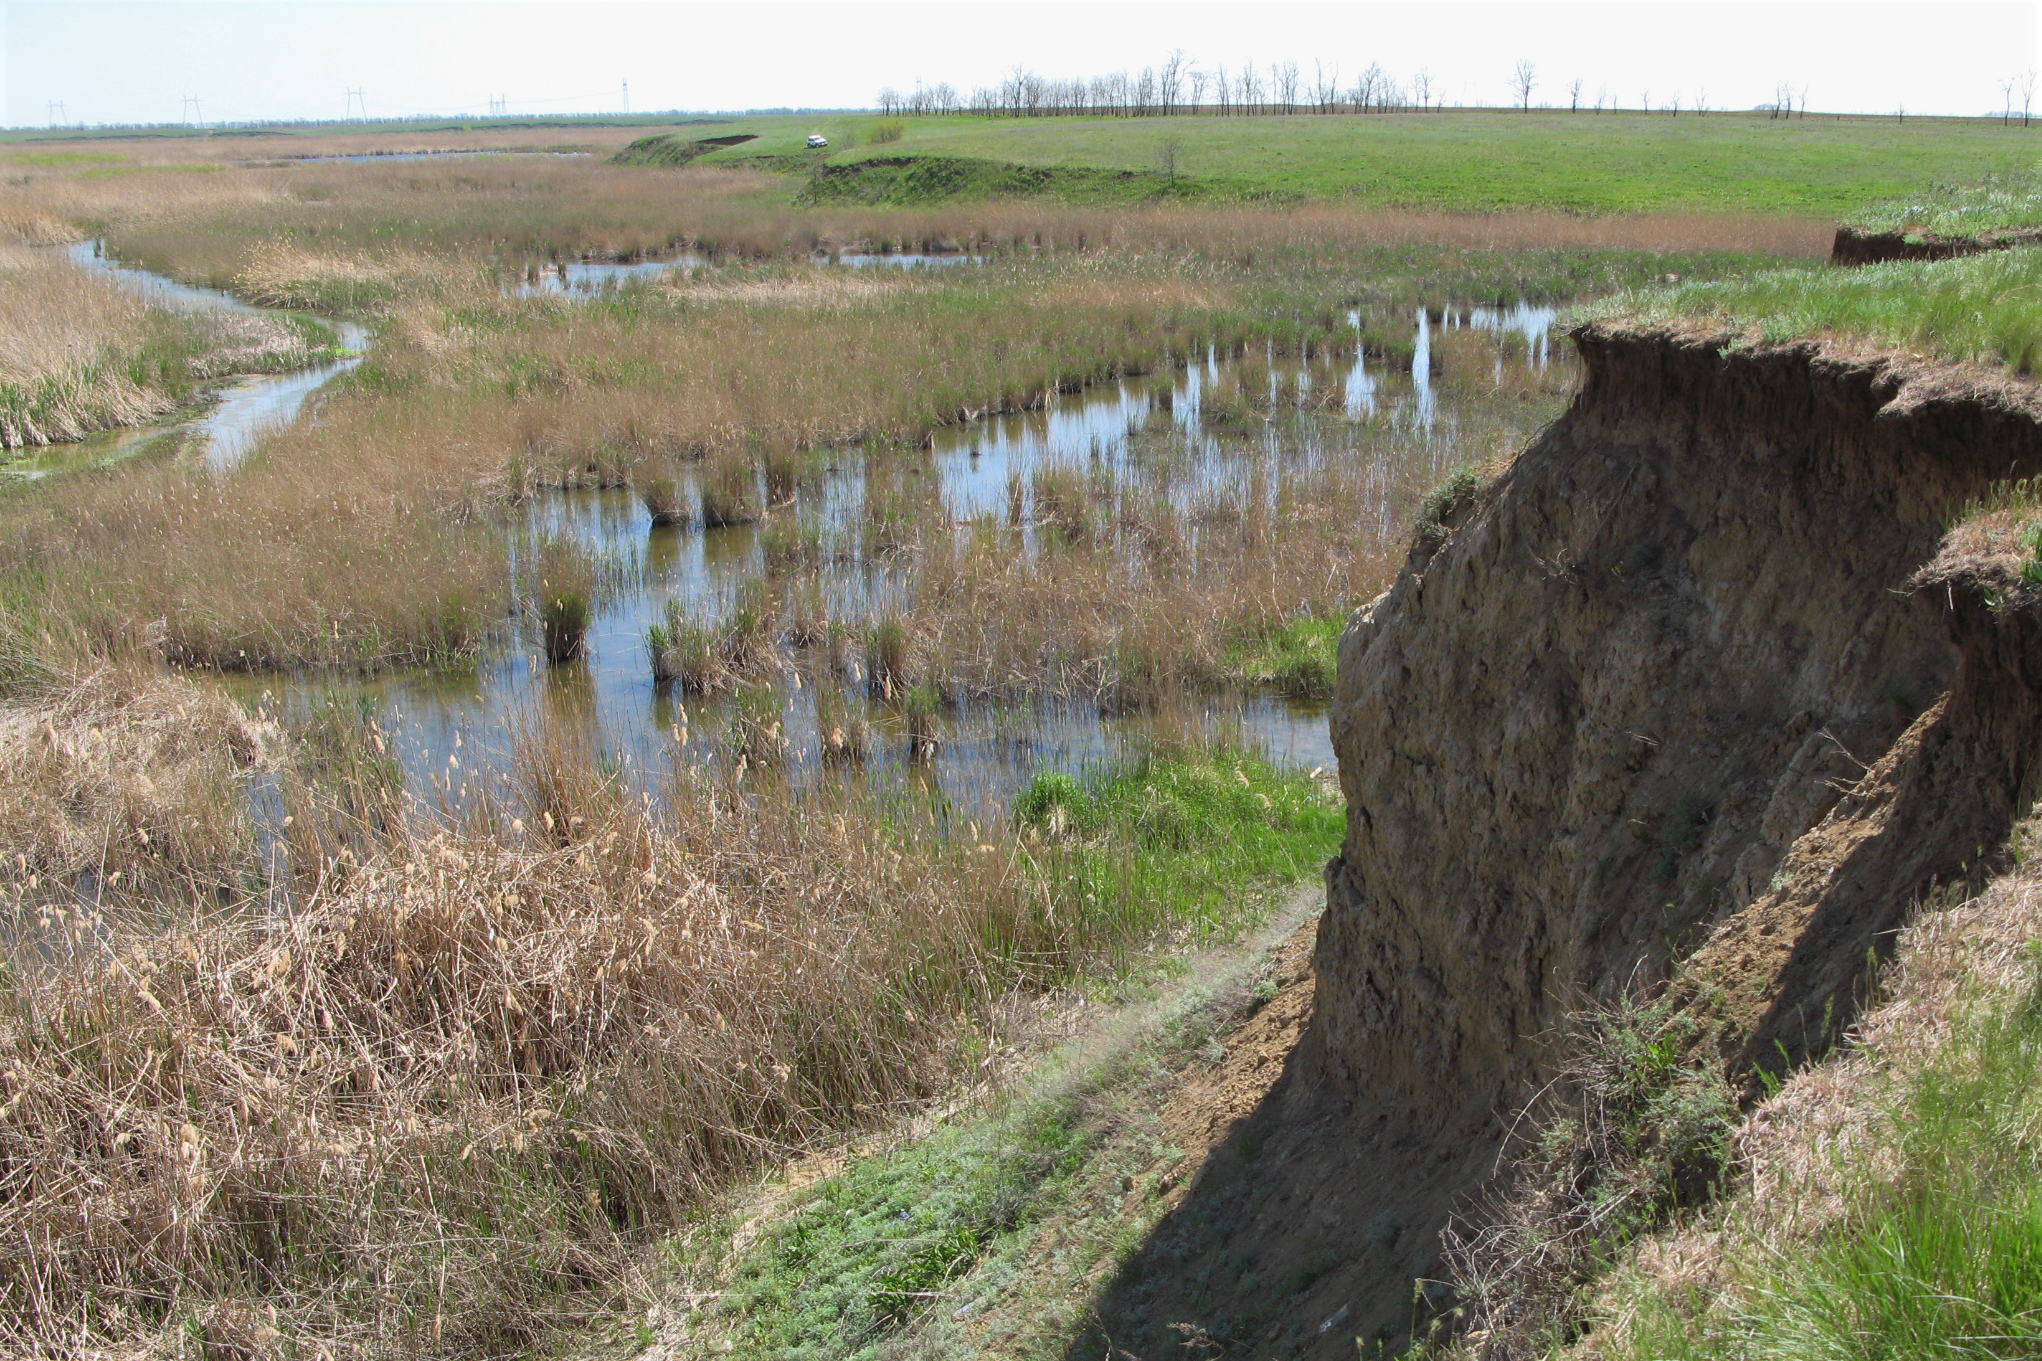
1856 247
1689 692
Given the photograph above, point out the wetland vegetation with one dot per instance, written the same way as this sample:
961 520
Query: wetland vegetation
690 693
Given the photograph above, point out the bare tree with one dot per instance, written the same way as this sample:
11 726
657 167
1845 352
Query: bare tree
2006 88
1170 80
2026 86
1701 102
1223 89
1325 85
1145 91
1421 89
1601 98
1285 79
1804 101
1524 80
1251 87
1196 79
1574 95
889 99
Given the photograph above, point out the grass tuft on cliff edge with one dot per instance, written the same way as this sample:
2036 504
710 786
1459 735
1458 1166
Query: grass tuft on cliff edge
2002 204
1977 308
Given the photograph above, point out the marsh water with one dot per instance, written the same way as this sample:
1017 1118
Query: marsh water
454 732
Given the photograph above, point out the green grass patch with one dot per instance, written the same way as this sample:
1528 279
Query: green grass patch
59 160
1938 1250
1985 308
904 1241
1176 840
2003 203
1472 161
903 180
1298 658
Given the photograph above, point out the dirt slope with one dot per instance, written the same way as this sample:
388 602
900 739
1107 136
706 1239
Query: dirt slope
1685 690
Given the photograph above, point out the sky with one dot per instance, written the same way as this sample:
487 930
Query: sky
163 61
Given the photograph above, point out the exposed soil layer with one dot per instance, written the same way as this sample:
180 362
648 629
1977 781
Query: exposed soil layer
1855 247
1685 696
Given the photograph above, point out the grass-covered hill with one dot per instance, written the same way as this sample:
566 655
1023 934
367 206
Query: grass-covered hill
1462 160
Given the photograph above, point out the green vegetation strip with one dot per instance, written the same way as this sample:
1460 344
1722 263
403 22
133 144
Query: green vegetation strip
1179 838
903 1238
1985 308
1935 1250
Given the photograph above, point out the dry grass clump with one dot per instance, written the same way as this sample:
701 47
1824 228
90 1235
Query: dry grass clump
438 1101
286 273
120 775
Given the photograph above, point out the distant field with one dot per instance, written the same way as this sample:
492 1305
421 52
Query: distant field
1471 161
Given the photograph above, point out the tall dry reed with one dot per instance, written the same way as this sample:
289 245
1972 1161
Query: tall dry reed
444 1095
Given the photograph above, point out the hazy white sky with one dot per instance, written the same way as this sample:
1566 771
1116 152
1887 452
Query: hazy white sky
139 60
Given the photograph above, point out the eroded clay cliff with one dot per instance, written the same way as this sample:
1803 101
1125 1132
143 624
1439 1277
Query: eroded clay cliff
1685 697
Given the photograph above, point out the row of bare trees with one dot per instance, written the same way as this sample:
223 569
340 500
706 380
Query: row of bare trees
1179 86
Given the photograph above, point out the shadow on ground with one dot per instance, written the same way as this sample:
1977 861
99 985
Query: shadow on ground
1307 1223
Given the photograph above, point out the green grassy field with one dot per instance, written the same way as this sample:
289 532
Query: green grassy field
1467 161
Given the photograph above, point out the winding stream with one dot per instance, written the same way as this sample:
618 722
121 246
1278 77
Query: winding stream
244 408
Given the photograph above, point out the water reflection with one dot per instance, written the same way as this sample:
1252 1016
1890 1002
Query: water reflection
1222 426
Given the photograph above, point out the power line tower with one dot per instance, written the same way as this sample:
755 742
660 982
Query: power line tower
56 109
355 101
193 114
499 106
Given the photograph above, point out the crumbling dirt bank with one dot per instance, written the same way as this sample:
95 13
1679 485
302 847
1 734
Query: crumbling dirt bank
1690 692
1855 247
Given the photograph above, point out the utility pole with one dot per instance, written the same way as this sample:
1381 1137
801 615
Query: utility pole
627 96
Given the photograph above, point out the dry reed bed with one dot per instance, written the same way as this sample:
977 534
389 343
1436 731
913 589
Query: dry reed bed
466 410
64 340
464 1077
79 354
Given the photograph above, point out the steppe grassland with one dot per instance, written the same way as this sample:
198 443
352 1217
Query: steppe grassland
509 212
